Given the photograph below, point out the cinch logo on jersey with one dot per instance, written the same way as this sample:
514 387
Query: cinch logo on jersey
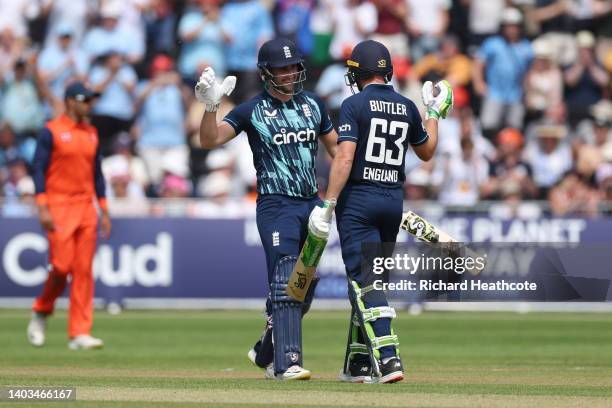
381 175
344 128
284 137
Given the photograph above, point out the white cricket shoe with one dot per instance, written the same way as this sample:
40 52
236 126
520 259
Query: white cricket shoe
252 355
295 372
85 342
269 370
36 329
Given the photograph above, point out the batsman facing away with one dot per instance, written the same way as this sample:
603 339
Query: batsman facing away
376 126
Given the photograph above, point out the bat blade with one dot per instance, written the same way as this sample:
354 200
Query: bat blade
427 232
305 269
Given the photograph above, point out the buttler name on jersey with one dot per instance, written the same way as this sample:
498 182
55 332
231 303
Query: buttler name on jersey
391 108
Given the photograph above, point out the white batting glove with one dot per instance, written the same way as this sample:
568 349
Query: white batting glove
318 223
209 91
440 105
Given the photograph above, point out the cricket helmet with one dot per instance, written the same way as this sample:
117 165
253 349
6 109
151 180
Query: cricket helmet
368 58
278 53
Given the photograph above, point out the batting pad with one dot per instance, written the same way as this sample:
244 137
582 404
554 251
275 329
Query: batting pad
287 318
362 318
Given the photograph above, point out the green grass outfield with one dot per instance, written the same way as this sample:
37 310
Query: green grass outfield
190 359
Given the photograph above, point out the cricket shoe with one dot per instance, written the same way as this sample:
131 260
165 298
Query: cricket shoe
269 372
391 371
358 372
269 369
262 353
36 329
252 355
85 342
295 372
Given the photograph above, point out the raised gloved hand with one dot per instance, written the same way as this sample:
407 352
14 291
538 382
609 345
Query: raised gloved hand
440 105
319 222
209 91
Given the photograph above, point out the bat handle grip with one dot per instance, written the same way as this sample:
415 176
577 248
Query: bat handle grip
329 206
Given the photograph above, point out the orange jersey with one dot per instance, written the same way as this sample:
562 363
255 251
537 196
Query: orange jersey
67 163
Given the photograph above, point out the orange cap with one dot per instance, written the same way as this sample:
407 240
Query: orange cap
510 136
161 63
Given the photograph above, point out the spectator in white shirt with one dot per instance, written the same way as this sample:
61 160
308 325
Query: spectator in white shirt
549 157
427 23
458 177
353 21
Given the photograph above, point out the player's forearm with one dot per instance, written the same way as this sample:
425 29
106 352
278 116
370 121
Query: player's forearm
103 204
209 133
330 141
426 151
338 176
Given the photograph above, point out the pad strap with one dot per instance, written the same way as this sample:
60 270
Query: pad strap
358 348
360 292
374 313
383 341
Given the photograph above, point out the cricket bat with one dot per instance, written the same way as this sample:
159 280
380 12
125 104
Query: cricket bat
427 232
306 266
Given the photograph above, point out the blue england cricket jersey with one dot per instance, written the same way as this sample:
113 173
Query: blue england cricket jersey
382 123
284 139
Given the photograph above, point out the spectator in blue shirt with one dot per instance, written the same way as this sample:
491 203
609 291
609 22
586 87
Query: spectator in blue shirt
60 63
293 22
113 112
248 24
12 149
110 37
160 21
499 70
203 39
21 107
161 118
73 13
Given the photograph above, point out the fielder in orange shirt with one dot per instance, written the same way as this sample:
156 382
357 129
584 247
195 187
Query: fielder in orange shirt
68 179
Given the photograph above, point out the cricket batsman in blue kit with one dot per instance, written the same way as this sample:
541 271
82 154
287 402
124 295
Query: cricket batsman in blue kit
375 128
284 125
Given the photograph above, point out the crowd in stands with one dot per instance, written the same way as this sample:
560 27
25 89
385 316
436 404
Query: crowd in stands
531 78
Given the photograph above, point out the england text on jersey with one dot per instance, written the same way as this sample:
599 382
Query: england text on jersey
380 175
